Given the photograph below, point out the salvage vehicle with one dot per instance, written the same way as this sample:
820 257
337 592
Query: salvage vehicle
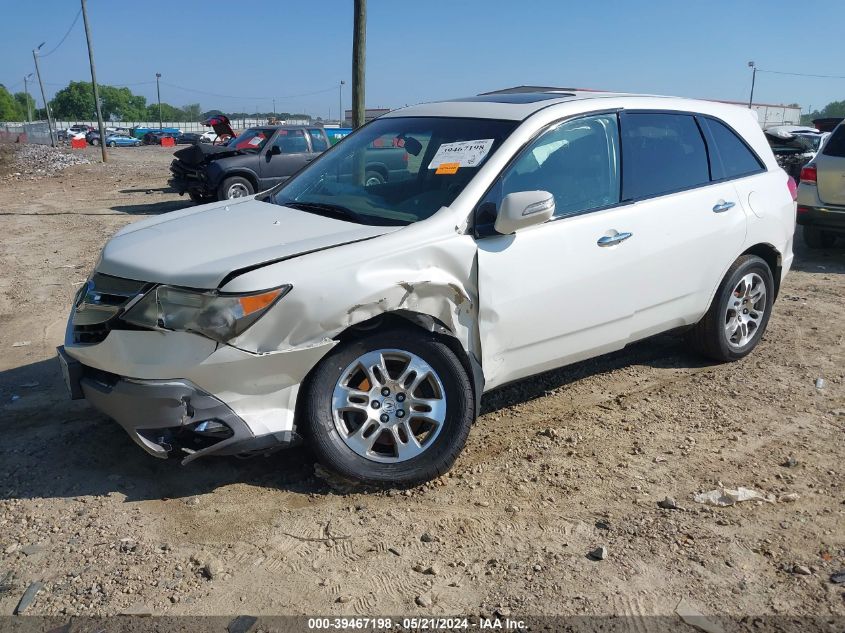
821 193
256 160
369 318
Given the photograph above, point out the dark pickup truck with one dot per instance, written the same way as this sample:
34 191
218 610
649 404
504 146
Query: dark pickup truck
258 159
262 157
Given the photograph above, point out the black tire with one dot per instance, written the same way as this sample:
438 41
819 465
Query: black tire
708 336
814 237
223 190
373 178
331 450
198 198
95 141
112 144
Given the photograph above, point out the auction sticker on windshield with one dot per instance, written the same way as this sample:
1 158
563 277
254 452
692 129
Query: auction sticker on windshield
464 153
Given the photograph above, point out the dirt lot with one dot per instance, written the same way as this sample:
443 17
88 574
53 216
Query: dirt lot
556 466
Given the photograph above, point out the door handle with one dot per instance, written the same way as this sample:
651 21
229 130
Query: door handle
722 206
610 240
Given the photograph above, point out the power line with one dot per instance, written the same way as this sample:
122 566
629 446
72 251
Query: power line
62 41
242 97
778 72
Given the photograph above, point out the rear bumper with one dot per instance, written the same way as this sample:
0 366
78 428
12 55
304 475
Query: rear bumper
161 416
826 217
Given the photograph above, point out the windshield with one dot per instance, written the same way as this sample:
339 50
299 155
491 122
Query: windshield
395 171
253 138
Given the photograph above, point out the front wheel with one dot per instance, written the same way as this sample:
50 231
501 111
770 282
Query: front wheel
739 313
393 407
814 237
95 141
373 178
235 187
112 144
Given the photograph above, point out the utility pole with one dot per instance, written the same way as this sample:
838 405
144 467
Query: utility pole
43 94
94 82
158 94
274 107
340 116
753 68
26 92
359 58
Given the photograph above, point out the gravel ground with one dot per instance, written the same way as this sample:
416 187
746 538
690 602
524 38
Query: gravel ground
558 505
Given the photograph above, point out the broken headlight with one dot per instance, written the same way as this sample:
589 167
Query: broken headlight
218 316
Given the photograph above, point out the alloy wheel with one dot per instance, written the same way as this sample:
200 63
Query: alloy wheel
237 190
389 405
745 309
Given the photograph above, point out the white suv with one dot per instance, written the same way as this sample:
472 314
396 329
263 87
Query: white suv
523 232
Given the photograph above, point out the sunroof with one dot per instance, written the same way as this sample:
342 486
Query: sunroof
520 97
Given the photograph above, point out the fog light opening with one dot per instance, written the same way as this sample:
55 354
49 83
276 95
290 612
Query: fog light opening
213 429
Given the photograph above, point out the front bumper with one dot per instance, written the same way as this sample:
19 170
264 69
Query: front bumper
189 179
161 416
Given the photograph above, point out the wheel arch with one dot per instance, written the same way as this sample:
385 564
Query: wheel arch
381 168
243 173
772 257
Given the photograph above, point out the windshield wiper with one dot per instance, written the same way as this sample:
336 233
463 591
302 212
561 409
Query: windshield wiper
325 208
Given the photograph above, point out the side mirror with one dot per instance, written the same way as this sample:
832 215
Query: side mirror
522 209
275 150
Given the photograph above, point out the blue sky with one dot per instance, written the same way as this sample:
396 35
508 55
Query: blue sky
254 50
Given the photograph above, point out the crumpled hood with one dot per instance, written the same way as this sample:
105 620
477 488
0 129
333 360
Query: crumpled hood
198 247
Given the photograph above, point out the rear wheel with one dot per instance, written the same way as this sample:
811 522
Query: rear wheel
112 144
235 187
95 141
814 237
739 313
394 407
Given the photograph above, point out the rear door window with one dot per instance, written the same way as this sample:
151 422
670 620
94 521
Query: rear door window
835 145
291 142
318 140
661 153
730 157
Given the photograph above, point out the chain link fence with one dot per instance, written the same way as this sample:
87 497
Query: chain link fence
38 132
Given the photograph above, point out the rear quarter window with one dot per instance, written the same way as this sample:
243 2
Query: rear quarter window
661 153
730 157
835 145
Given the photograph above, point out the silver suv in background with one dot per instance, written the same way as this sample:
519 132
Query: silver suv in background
821 193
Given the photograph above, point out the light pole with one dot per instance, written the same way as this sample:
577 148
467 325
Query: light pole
753 68
43 95
94 82
158 94
359 58
340 114
26 92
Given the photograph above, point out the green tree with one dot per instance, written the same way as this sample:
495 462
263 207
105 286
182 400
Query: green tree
74 101
22 98
168 112
193 111
9 108
832 109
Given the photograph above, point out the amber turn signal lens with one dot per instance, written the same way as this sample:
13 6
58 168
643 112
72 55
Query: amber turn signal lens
254 303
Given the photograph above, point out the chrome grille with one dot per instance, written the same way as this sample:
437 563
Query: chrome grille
98 304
